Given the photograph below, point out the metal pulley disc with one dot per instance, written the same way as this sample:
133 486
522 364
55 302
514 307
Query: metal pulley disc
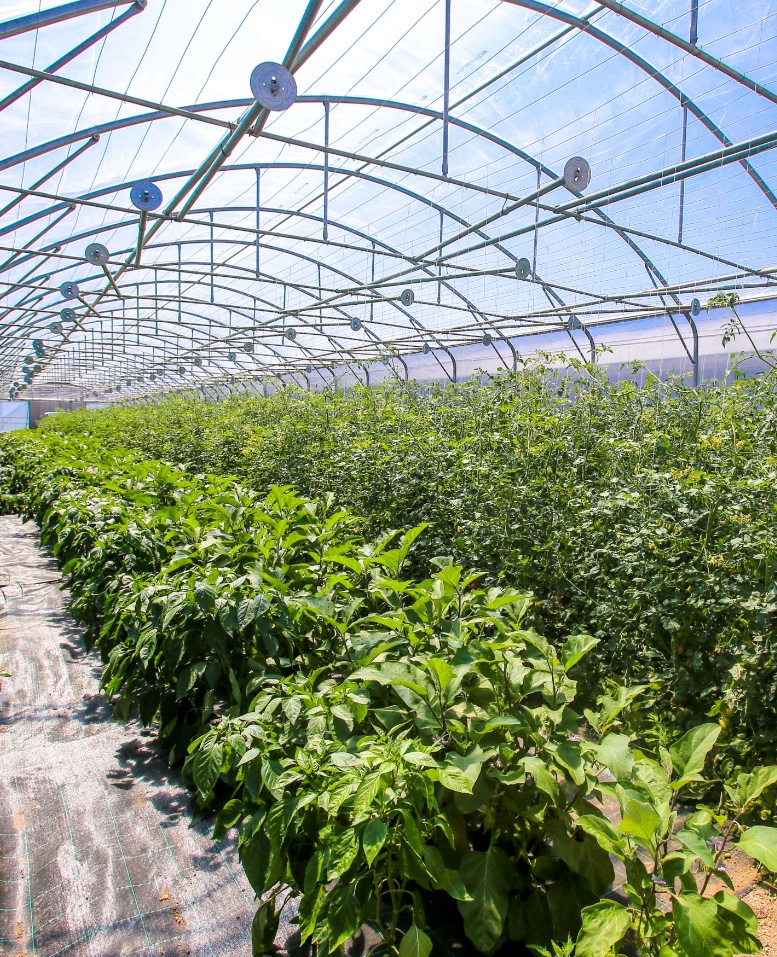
356 324
487 339
36 368
37 344
69 290
426 349
523 269
56 328
273 86
67 315
146 196
577 174
230 357
308 368
28 360
290 334
129 383
97 254
198 361
695 307
248 347
180 370
140 379
152 377
407 297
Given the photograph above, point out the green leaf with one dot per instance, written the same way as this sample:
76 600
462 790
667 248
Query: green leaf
616 755
342 916
606 834
415 943
342 853
700 929
543 779
690 752
264 928
373 838
640 820
576 648
487 877
761 843
205 596
207 767
750 786
454 779
604 925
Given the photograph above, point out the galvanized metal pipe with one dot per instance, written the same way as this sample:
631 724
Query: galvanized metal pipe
690 47
45 18
138 6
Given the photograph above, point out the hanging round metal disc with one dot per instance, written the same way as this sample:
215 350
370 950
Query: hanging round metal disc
426 349
56 328
180 370
356 324
273 86
67 315
28 360
407 297
97 254
308 368
248 347
523 269
152 377
487 339
231 357
69 290
146 196
577 174
291 334
198 361
695 307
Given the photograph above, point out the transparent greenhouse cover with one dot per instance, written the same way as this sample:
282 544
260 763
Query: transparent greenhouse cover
387 220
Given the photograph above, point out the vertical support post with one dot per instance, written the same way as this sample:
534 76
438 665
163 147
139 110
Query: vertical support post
320 313
212 288
372 280
446 95
326 170
258 218
439 265
179 282
693 38
536 227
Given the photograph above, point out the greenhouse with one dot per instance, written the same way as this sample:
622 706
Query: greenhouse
388 478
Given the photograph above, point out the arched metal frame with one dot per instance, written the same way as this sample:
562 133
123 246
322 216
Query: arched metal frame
35 290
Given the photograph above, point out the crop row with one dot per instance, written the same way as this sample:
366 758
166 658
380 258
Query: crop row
385 744
644 516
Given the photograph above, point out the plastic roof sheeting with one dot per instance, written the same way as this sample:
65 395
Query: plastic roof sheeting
293 257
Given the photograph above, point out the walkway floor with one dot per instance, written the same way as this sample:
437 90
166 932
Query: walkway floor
97 855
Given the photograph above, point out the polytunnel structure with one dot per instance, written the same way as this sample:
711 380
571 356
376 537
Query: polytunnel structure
203 195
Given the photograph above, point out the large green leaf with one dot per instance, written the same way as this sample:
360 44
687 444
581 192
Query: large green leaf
640 820
700 929
761 843
206 768
690 752
487 877
604 925
750 786
415 943
373 838
264 927
616 755
576 648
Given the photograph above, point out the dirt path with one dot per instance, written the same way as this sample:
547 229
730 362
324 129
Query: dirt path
97 856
